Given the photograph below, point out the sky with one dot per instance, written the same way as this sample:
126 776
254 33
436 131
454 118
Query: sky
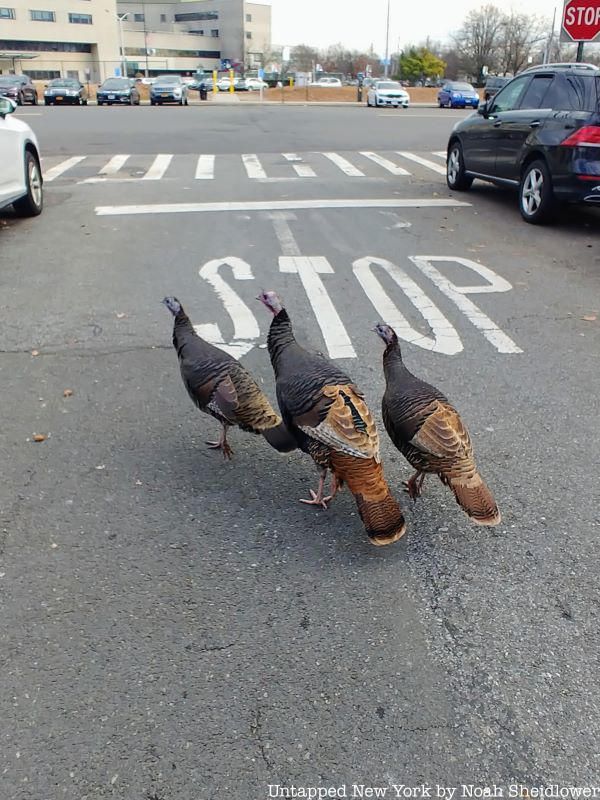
359 24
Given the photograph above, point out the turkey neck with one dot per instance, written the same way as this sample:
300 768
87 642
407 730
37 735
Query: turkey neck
183 331
281 336
393 366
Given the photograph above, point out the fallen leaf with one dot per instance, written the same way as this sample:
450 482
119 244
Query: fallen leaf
68 393
120 315
39 437
35 352
590 317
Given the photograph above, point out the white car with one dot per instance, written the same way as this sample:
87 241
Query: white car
387 93
21 182
256 84
328 83
223 84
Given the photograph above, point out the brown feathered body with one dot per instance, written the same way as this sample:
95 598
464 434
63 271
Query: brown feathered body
330 420
429 432
220 386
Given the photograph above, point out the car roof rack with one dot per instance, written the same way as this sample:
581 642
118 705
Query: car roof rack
567 65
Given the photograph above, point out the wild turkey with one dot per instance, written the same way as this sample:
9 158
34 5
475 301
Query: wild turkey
220 386
430 434
330 420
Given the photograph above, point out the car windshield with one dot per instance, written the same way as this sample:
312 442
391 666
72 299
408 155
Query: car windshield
168 79
65 82
461 87
116 83
388 85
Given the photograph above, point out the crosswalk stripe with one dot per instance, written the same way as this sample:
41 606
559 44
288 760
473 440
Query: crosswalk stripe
158 168
303 170
385 163
253 166
54 172
424 162
114 165
205 170
344 165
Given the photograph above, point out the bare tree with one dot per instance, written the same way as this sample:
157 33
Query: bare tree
478 40
520 37
303 57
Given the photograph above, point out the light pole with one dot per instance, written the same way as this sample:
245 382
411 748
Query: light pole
386 65
120 18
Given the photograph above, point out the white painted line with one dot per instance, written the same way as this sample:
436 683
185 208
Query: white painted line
277 205
114 165
253 166
310 269
385 163
289 246
445 338
440 154
424 162
302 170
205 170
494 335
158 168
344 165
55 172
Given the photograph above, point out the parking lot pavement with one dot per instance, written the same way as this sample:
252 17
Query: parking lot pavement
179 626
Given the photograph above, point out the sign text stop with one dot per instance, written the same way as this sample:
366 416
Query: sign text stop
581 20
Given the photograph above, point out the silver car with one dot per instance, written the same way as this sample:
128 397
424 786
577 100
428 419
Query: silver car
387 93
169 89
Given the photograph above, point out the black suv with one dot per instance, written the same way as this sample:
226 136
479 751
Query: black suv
493 85
540 134
19 88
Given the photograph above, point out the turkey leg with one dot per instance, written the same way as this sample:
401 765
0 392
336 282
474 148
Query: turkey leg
414 485
222 444
317 497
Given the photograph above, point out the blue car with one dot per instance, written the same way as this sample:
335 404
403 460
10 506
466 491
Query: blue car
456 94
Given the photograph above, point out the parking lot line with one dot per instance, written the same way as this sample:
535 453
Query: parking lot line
344 165
385 163
424 162
158 168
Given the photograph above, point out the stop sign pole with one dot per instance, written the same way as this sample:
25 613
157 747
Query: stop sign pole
580 23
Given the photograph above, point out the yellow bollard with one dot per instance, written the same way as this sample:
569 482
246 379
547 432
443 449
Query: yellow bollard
291 82
231 77
215 78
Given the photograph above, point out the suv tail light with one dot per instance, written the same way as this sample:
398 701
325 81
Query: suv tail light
588 136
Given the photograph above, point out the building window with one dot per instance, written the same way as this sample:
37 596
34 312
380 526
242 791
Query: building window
195 16
43 74
139 51
248 35
163 17
73 73
138 18
248 17
214 33
44 47
80 19
7 13
43 16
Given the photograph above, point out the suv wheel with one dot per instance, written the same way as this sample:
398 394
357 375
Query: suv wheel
31 205
536 195
455 169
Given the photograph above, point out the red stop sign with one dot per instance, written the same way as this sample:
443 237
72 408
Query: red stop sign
581 19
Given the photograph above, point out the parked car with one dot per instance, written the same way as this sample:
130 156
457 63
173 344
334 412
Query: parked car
387 93
21 182
168 89
540 134
223 84
65 90
256 84
328 83
19 88
457 95
118 90
493 85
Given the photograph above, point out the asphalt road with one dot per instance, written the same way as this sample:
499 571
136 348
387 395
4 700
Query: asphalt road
176 627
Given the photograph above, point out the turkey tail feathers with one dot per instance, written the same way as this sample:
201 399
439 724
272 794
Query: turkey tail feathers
379 511
474 497
280 438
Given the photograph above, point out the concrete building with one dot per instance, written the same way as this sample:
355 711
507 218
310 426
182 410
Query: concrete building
83 38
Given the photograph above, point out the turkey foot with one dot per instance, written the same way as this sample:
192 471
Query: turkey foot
317 497
223 445
414 485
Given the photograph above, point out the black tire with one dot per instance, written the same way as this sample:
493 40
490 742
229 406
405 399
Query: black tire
185 103
455 169
84 102
33 202
537 202
100 102
34 99
131 101
152 102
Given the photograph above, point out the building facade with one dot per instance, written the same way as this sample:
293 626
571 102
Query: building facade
94 39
